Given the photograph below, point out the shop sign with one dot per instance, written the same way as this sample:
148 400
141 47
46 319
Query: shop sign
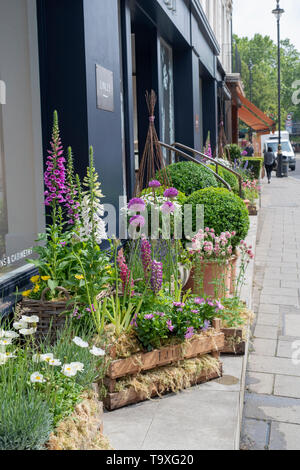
105 88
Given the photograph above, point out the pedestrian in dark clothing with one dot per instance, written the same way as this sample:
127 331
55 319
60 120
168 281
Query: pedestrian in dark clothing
269 160
250 150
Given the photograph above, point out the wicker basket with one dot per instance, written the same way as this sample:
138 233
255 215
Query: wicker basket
51 314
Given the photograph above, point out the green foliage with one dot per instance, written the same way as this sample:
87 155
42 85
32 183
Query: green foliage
189 177
231 179
262 50
254 166
235 152
25 420
223 211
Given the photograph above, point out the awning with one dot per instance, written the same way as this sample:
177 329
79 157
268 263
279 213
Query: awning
254 117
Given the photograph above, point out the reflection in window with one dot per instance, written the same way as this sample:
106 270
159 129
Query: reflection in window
167 102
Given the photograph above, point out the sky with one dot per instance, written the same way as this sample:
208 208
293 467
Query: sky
254 16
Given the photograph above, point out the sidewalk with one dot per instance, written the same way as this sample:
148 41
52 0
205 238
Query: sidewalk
272 401
206 417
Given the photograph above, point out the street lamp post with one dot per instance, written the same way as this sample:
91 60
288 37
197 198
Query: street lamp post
250 66
278 12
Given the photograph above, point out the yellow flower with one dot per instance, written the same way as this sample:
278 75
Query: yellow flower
35 279
45 278
36 288
26 293
79 277
108 267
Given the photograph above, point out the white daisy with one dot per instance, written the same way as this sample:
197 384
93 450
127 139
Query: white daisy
68 370
36 377
32 319
28 331
79 342
18 325
78 366
97 351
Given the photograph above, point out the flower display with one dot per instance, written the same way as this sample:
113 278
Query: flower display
137 205
207 245
55 175
125 273
146 256
154 184
171 193
167 207
156 276
137 221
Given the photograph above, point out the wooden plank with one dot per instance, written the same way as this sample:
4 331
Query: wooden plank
114 401
161 357
234 343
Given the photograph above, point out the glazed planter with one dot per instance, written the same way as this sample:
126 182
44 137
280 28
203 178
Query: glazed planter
211 272
139 363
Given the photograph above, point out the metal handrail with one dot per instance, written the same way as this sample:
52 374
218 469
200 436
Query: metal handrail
188 157
196 152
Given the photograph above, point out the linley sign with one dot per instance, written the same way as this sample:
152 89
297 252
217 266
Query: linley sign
105 89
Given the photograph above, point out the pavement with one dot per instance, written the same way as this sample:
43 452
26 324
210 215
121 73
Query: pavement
205 417
272 399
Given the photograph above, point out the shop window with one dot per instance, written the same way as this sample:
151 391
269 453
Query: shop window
167 95
21 160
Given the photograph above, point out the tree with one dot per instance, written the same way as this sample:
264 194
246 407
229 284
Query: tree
262 51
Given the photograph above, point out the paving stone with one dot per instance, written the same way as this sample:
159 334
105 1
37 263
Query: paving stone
284 349
290 284
268 319
266 332
284 436
272 365
264 347
287 386
291 325
270 408
280 291
260 383
254 435
280 300
267 308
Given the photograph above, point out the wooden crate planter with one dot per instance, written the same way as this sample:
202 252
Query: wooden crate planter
116 400
51 314
252 209
235 343
143 362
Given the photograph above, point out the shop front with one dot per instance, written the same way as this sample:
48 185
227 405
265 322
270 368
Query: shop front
92 61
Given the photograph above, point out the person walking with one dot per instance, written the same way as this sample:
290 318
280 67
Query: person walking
249 149
269 160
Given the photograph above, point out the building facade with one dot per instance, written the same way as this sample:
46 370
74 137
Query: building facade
92 61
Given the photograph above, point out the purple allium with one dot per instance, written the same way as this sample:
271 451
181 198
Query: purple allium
149 316
206 325
55 174
154 184
137 205
189 332
168 208
137 221
170 326
171 193
156 276
146 256
199 301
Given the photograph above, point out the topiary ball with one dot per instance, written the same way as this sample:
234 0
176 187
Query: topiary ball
189 177
223 211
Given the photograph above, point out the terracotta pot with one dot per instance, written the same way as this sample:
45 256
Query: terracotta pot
233 272
212 271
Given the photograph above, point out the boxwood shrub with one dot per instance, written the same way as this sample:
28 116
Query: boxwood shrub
229 177
189 177
254 165
223 211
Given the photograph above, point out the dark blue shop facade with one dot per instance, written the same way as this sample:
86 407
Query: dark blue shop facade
95 59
